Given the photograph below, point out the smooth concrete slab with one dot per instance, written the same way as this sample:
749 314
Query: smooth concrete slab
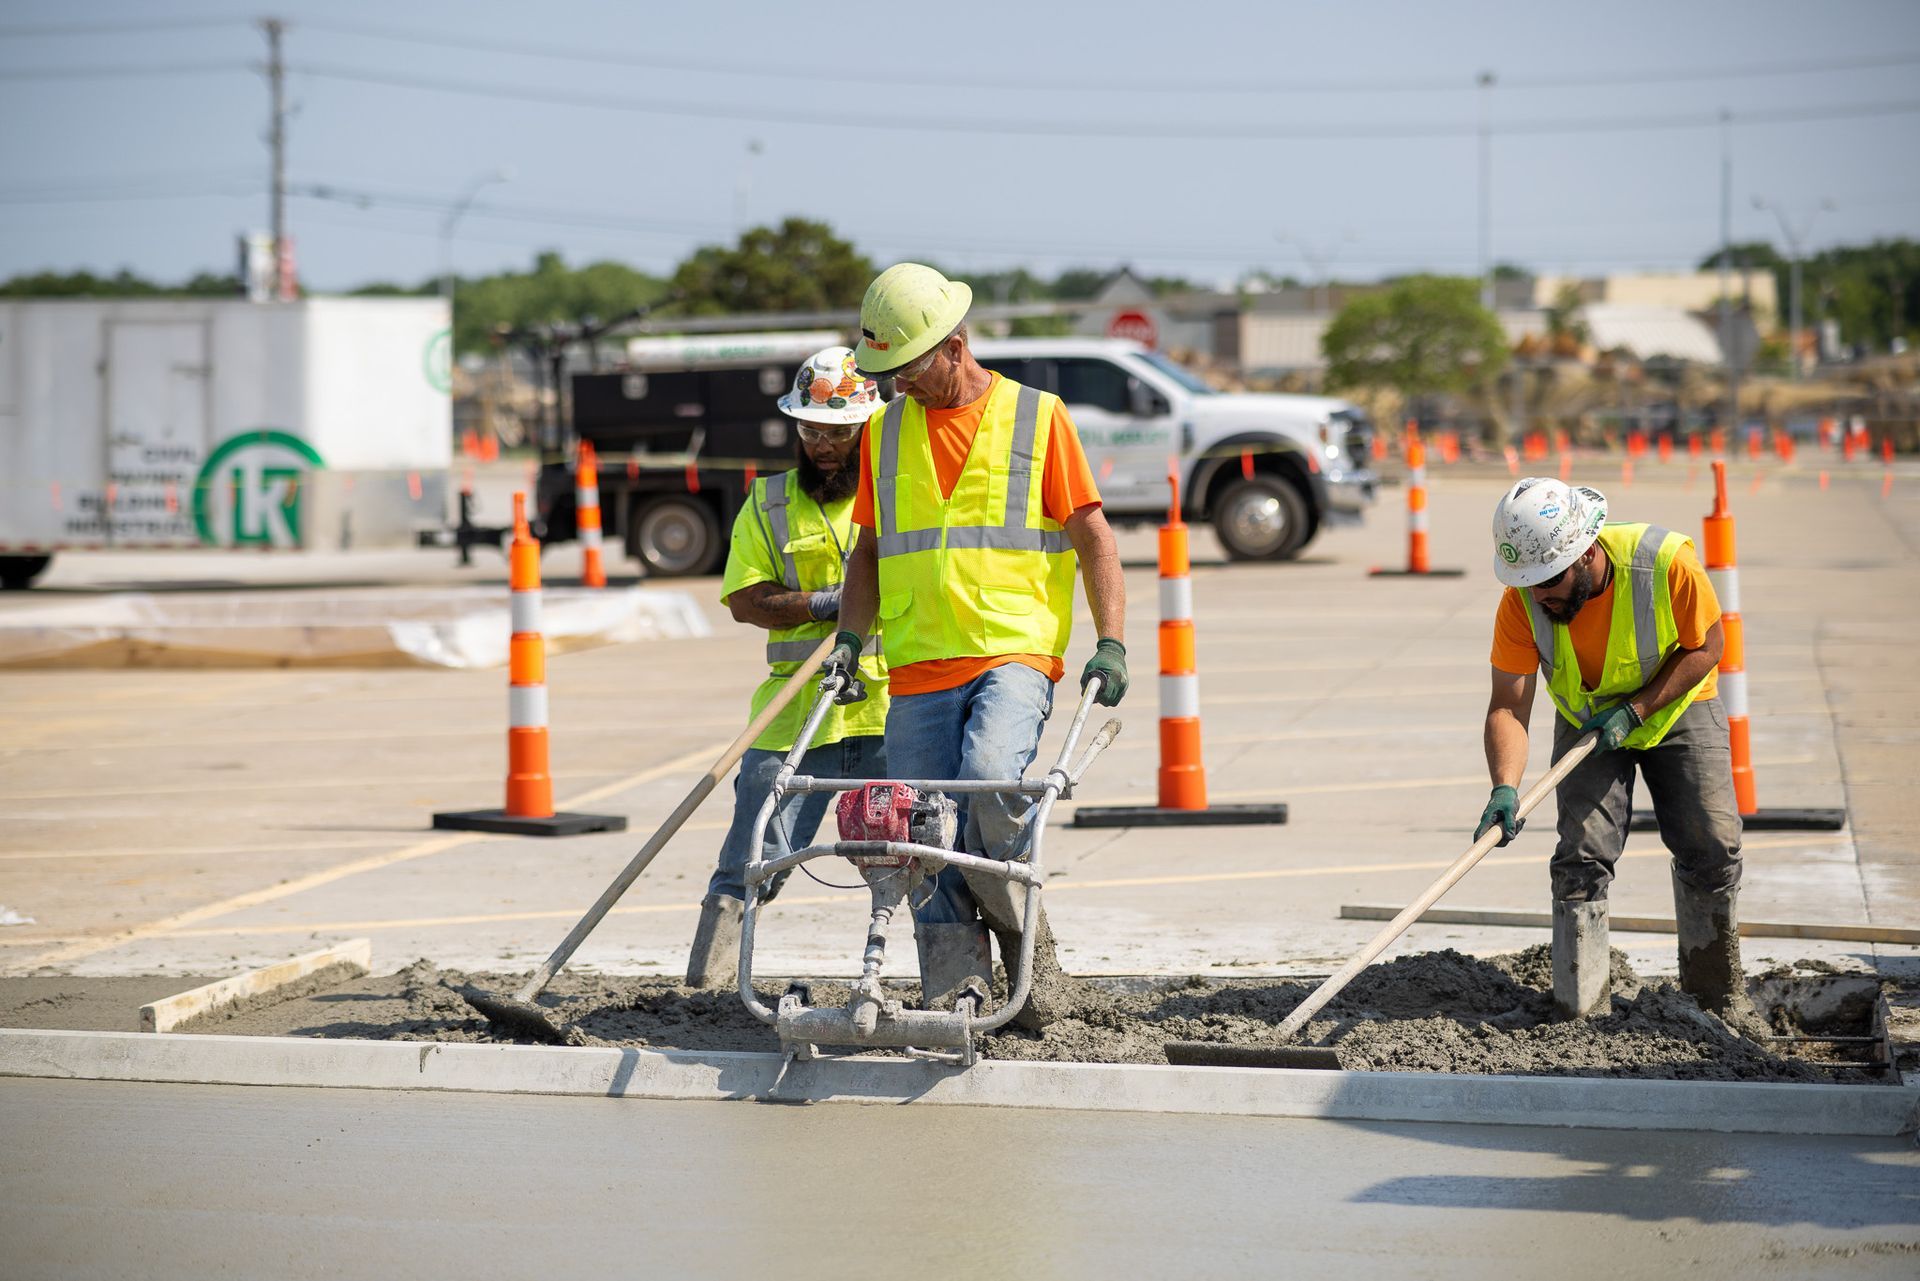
180 1183
631 1073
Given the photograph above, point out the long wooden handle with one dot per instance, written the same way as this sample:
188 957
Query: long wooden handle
1330 988
681 812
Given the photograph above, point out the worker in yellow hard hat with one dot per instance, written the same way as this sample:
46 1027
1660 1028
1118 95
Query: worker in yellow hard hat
977 509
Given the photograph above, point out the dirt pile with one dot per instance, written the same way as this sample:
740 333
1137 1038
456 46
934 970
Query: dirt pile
1430 1012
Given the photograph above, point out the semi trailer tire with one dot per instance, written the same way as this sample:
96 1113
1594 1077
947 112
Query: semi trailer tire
675 536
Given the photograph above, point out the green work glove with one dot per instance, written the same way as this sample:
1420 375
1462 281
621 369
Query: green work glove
1613 725
843 660
1503 807
1109 663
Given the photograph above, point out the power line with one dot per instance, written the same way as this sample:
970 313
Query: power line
1276 83
1131 130
100 71
116 28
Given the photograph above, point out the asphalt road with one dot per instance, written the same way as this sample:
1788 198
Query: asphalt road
160 1181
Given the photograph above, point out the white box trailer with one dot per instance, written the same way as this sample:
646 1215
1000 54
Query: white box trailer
319 424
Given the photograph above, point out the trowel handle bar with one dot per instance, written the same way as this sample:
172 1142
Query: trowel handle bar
1330 988
681 812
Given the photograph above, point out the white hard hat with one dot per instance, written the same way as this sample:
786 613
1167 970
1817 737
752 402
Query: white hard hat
1541 527
829 390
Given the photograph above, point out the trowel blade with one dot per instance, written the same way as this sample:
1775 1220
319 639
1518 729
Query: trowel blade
1218 1054
520 1018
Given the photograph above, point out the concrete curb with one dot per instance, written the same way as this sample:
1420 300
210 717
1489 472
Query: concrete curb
624 1073
171 1011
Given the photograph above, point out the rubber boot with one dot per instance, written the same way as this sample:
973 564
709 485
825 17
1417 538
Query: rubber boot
1582 966
715 959
954 964
1709 928
1003 905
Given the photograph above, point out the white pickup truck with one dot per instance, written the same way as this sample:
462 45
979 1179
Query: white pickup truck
1267 471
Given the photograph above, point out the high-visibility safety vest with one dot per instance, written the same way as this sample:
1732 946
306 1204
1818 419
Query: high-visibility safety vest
806 544
1639 638
982 572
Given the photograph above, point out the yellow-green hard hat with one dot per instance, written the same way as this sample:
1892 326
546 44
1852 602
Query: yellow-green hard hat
908 308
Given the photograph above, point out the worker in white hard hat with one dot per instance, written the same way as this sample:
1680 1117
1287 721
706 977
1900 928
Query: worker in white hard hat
1623 623
785 572
977 509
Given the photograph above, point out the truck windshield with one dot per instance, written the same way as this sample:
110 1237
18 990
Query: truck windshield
1179 373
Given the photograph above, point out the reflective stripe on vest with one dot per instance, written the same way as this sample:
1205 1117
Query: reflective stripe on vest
974 573
1640 635
799 651
774 504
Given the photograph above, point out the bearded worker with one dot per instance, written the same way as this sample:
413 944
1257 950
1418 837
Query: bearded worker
784 574
1623 623
977 509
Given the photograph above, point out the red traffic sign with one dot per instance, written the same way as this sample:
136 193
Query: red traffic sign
1137 325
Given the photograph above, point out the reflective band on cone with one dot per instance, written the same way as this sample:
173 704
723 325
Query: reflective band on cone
1183 773
1718 544
529 779
586 505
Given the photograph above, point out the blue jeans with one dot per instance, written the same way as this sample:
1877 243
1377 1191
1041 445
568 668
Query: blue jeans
795 823
988 728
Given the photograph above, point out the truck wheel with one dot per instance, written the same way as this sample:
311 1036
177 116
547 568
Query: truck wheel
1260 519
674 537
18 572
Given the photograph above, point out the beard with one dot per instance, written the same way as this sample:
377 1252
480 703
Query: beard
828 487
1577 596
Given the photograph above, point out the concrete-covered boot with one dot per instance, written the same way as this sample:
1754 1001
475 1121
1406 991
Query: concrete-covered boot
1709 928
1003 904
954 964
715 959
1582 966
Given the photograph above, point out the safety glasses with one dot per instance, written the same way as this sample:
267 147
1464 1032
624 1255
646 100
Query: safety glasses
913 369
1550 583
829 435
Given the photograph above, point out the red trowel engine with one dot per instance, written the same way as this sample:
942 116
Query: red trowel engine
897 812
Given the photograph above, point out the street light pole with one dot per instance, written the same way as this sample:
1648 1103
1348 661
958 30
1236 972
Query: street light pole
454 214
1796 238
1486 195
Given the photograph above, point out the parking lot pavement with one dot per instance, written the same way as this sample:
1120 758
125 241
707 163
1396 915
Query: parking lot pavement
196 821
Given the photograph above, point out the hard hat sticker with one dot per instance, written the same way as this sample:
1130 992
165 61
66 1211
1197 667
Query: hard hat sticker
1509 553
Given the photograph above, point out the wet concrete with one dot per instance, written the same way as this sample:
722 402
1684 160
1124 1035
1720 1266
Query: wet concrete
110 1179
69 1002
1427 1012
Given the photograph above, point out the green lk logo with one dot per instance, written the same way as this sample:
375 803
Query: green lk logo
248 493
1509 553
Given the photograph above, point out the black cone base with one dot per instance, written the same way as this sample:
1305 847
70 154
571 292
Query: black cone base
1379 572
1154 816
1763 821
561 824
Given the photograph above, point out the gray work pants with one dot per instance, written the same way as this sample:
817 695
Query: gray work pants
1689 776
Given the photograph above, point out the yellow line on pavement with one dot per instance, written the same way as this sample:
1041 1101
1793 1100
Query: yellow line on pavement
199 851
285 889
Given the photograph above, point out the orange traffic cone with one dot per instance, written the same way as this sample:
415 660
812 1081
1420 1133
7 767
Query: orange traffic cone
529 809
586 515
1723 571
1417 561
1183 774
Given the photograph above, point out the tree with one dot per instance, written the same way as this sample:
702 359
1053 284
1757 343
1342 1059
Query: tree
798 266
1421 336
122 284
551 292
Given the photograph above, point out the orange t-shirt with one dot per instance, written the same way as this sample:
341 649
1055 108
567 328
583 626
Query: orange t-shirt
1695 610
1066 485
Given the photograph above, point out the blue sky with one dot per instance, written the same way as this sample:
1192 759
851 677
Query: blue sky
1181 139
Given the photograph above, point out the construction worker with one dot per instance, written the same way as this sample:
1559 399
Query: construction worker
784 573
1624 625
976 504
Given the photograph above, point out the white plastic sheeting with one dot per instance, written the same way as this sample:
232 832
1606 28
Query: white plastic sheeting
465 627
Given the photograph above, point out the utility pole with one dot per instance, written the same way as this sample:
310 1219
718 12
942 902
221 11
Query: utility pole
1729 361
277 140
1796 239
1486 195
1317 258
